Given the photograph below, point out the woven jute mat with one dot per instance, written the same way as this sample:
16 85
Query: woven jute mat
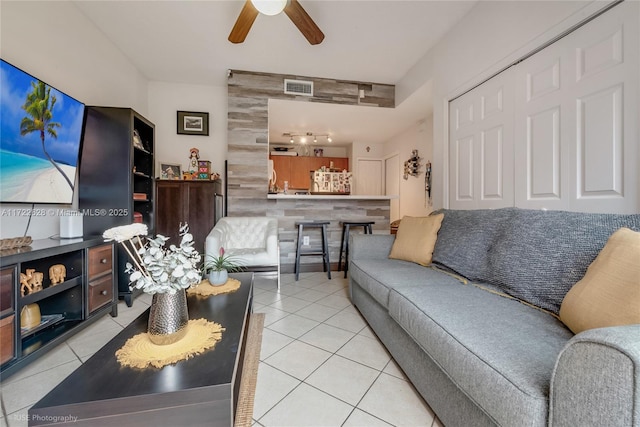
140 352
247 393
206 289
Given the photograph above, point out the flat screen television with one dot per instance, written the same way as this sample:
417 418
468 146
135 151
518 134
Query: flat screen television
40 137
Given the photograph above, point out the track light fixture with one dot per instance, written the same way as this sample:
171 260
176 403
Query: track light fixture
302 138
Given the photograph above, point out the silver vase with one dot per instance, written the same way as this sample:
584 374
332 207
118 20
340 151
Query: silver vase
168 318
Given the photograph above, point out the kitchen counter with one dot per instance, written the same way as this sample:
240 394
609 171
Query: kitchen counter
281 196
335 208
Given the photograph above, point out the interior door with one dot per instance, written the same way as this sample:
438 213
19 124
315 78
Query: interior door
576 119
481 146
392 184
369 177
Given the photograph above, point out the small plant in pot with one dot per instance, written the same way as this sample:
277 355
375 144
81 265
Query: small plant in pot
218 268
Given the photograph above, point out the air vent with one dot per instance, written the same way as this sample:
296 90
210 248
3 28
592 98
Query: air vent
298 87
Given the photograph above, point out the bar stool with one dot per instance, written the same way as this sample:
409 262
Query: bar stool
344 243
323 251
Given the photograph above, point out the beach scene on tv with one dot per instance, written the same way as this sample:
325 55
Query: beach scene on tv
40 132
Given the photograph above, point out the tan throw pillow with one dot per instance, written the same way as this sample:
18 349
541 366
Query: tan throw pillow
609 292
416 238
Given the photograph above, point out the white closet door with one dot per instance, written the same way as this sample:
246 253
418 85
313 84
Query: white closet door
541 148
604 140
481 146
576 119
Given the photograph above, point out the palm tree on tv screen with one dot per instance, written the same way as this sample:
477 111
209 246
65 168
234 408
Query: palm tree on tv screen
39 107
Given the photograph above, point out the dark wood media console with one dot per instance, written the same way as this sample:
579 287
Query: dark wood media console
194 392
89 290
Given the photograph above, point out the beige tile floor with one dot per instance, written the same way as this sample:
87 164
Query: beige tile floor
321 365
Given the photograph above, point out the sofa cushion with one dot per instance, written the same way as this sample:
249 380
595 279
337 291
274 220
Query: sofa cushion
379 276
499 352
609 294
540 255
416 238
465 238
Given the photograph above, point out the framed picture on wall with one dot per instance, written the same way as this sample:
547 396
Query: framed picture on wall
170 170
193 123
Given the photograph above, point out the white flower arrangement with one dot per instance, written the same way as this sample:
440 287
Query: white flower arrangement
157 269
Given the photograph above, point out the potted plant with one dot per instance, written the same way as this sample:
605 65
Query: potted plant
217 268
162 272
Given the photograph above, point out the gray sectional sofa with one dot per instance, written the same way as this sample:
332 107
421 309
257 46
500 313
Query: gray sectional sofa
480 358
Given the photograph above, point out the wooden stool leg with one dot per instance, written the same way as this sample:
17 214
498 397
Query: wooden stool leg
346 252
344 227
297 267
325 250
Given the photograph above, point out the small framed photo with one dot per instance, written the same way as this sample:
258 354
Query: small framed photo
193 123
169 170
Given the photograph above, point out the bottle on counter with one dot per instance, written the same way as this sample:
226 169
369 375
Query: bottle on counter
286 187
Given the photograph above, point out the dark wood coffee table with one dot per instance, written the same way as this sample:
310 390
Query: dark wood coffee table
199 391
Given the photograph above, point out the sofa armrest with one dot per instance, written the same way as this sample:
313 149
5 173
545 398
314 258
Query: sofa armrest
370 246
596 380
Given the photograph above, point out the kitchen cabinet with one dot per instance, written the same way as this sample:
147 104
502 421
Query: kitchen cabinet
282 165
296 169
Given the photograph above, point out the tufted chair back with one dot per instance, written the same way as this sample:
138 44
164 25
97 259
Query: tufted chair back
244 232
251 241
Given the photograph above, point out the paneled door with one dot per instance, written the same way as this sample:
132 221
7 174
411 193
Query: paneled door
481 146
558 130
576 119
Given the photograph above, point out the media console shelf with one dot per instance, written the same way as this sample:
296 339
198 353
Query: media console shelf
87 291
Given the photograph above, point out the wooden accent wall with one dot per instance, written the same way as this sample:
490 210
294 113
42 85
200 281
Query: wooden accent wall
247 144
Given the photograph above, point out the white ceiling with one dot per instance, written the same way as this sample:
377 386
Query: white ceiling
371 41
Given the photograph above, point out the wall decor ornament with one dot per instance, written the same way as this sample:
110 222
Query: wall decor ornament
412 165
193 123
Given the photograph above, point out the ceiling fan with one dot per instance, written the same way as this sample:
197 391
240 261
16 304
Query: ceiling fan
292 8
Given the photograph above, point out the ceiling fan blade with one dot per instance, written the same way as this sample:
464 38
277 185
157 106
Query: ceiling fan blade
303 21
243 23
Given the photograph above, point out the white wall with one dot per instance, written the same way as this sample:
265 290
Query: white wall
55 42
413 201
166 99
490 37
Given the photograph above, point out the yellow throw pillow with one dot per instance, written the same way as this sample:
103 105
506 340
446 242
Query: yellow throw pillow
416 238
609 292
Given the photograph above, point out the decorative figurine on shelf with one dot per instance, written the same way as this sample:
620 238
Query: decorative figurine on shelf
57 273
194 155
30 281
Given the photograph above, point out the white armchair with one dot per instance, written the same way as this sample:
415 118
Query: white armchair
252 241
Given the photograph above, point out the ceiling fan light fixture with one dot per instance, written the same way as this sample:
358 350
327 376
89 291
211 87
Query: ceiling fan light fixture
270 7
